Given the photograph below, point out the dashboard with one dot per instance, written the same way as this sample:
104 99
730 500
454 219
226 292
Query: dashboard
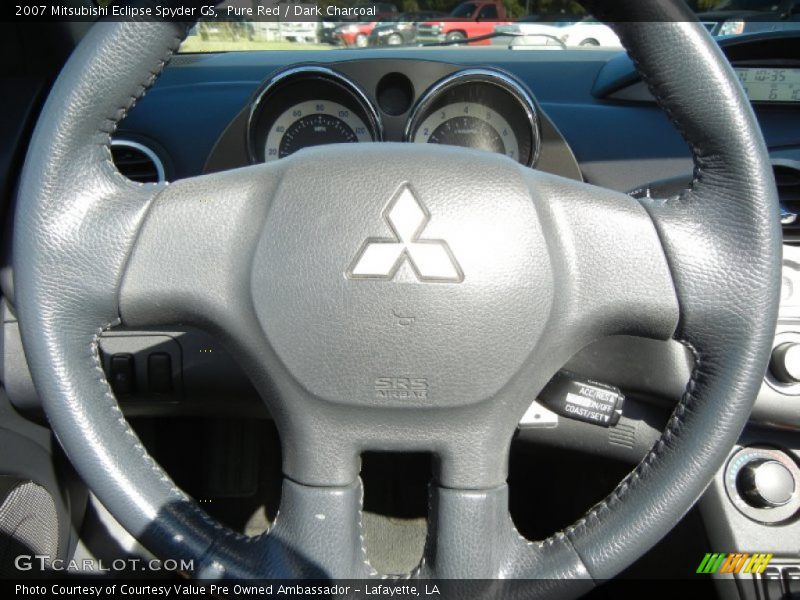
596 119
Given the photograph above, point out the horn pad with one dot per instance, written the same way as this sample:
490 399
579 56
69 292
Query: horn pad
411 276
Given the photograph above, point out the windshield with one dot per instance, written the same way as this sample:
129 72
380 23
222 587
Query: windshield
487 24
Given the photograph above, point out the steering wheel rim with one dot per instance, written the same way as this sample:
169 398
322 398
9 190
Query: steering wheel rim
713 254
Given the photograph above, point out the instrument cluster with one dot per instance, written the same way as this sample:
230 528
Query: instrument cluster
311 105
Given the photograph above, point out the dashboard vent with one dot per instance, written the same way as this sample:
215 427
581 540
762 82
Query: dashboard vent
787 178
137 162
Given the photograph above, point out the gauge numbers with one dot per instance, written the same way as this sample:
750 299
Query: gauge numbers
471 125
313 123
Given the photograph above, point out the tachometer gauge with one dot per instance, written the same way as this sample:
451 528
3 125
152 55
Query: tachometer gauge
313 123
482 109
308 106
471 125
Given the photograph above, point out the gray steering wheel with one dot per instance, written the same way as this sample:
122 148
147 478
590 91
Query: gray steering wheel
298 265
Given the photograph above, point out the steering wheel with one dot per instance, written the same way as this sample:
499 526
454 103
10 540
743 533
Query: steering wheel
300 264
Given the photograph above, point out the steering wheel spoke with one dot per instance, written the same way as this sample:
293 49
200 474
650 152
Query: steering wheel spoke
317 534
471 536
468 533
613 275
191 260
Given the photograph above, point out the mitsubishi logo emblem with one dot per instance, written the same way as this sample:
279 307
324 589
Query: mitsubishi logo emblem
380 258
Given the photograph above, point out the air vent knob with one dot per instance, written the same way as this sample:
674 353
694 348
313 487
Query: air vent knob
765 483
785 363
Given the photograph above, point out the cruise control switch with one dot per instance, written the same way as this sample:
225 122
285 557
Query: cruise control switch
586 400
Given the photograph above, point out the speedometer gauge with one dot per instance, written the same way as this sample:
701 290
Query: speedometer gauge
313 123
307 106
471 125
483 109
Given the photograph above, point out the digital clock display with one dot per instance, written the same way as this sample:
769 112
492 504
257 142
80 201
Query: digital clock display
766 84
